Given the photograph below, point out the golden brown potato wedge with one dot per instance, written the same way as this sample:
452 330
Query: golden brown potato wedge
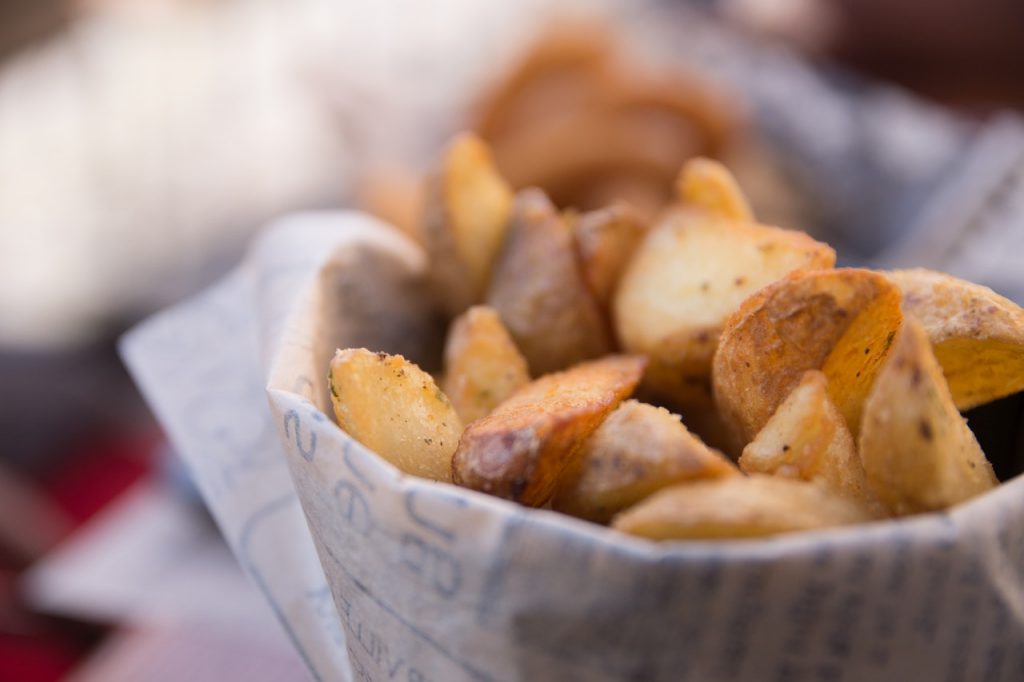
483 367
839 321
521 449
394 408
918 452
539 292
853 363
737 507
807 439
638 449
605 241
685 278
466 211
707 184
977 335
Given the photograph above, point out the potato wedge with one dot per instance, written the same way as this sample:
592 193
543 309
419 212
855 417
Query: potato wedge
394 408
977 335
638 450
605 240
840 321
918 452
807 439
737 507
483 367
685 278
466 211
521 449
707 184
564 70
539 292
853 363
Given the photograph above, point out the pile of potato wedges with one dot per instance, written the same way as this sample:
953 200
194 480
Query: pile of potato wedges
705 376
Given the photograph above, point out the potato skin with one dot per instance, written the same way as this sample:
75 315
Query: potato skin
483 367
688 275
977 335
605 241
853 363
917 451
539 292
737 507
466 209
784 330
394 408
446 268
638 450
521 449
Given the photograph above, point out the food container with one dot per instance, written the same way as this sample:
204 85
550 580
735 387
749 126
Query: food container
380 576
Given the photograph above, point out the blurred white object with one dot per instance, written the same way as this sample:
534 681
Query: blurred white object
138 151
151 560
138 146
151 565
173 655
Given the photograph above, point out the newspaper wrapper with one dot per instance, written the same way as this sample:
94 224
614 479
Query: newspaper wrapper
380 576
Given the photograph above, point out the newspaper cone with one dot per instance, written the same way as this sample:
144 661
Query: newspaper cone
377 575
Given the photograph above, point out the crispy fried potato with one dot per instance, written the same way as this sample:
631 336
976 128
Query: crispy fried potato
977 335
539 292
638 449
521 449
483 367
708 184
918 452
466 211
605 239
585 154
807 439
853 363
840 321
564 70
685 278
737 507
394 408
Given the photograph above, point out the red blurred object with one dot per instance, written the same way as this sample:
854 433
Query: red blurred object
97 472
40 656
34 648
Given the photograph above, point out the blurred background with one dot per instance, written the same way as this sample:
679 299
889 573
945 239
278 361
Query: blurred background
143 142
